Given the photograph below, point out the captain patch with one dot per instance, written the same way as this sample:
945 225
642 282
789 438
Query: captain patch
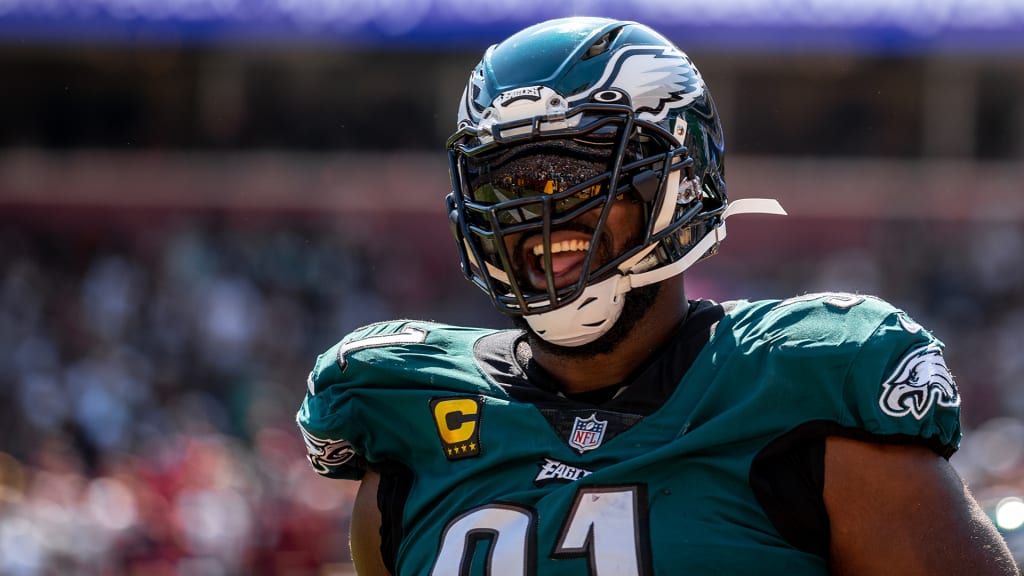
458 425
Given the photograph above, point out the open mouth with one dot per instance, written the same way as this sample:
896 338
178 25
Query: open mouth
568 252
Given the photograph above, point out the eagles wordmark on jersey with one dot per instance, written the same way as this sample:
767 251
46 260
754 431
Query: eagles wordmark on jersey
500 474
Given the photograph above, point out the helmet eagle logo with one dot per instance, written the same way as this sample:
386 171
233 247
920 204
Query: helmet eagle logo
656 78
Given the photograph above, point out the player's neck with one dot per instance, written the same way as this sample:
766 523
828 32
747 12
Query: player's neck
577 374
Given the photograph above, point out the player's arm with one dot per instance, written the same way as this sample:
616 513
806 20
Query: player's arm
903 510
365 529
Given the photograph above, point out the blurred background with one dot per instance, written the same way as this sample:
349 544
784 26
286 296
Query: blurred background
199 196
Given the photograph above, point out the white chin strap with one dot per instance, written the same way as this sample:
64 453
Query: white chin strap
599 306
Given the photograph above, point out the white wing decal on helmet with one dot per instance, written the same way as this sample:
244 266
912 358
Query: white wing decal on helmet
469 110
656 78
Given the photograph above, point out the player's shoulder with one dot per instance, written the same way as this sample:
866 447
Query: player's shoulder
858 360
816 306
396 351
825 317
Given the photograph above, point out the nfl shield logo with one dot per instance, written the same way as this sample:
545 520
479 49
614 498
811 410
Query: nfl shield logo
587 434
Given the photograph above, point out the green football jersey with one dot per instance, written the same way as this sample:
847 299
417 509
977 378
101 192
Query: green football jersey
508 477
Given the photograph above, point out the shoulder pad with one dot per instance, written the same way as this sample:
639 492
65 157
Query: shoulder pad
876 369
371 379
389 348
834 318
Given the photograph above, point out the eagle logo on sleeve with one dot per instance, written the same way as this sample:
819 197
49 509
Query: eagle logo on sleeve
325 454
920 381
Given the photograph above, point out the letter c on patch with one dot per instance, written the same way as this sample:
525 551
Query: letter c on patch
458 425
456 419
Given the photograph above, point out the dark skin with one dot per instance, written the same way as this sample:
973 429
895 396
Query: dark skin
899 510
577 373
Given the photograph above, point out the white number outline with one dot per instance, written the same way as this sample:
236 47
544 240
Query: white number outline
841 300
408 335
595 520
501 523
593 537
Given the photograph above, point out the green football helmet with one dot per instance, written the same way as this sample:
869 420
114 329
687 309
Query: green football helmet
568 117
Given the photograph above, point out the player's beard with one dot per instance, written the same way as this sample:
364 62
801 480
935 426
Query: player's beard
638 302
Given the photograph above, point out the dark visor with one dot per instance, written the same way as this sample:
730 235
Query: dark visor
538 170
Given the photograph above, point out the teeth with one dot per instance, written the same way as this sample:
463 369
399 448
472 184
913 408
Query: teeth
563 246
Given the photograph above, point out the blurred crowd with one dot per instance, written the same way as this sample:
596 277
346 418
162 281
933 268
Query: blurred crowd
149 386
152 370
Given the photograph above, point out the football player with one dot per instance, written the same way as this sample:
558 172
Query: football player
623 429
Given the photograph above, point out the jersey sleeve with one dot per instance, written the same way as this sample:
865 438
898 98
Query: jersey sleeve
899 387
370 398
321 419
349 394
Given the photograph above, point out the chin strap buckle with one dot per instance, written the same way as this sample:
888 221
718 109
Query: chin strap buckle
741 206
